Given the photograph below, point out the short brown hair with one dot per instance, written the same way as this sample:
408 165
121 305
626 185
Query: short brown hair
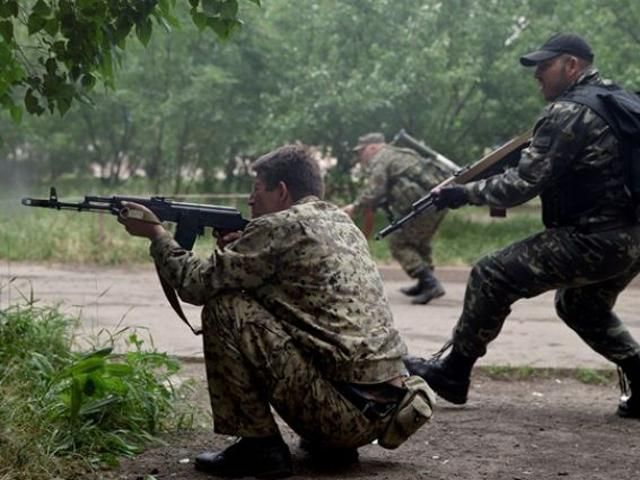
295 166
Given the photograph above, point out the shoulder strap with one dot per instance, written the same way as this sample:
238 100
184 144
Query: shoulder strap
615 105
170 293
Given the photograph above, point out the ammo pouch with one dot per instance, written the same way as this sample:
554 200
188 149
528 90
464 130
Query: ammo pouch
413 411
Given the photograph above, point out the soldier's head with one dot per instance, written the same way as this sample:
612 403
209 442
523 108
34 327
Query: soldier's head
558 63
283 177
368 145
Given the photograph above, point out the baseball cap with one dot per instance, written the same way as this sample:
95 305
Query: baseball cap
558 44
369 139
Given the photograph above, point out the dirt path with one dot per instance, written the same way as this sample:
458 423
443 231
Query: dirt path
115 297
541 428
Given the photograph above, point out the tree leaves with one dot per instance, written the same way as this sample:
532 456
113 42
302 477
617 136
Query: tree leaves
143 31
80 39
6 30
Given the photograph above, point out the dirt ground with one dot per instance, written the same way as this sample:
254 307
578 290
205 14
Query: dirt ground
547 426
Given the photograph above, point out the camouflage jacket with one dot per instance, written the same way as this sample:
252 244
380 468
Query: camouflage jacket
572 162
310 267
397 177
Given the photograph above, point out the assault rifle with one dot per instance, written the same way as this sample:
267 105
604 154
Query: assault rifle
190 219
403 139
489 165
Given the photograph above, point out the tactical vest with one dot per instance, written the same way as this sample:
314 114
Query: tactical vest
579 194
620 109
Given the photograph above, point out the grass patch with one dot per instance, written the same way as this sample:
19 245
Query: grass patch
507 372
40 235
587 376
63 413
595 377
466 235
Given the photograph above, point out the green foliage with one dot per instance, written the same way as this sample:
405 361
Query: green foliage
62 411
594 377
189 112
54 50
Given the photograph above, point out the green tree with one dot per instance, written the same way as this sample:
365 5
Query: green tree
53 51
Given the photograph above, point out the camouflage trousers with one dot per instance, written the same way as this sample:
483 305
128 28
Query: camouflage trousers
411 245
588 272
252 365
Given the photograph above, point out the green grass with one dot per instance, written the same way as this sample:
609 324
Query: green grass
466 235
587 376
42 235
39 235
62 412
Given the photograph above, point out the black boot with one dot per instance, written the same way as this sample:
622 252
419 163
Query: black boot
430 288
267 457
413 290
329 458
448 376
629 406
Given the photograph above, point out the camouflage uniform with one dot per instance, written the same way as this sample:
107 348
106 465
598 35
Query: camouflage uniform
293 306
397 178
590 249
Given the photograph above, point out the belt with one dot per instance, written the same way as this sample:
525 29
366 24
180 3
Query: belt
374 401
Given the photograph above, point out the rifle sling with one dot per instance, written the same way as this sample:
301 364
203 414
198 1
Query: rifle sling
170 293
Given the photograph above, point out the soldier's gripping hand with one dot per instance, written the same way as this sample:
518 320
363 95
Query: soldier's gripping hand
139 221
451 196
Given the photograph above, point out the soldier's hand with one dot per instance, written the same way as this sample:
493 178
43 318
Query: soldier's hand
451 196
349 209
139 221
225 238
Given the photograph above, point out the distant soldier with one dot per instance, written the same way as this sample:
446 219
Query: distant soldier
590 249
397 177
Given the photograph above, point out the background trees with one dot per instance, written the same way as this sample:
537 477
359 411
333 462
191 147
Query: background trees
189 111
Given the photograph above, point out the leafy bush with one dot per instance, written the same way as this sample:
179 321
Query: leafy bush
62 411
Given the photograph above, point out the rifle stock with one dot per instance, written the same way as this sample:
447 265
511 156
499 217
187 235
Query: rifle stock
487 166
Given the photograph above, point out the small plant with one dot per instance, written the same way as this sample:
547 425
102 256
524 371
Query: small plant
61 408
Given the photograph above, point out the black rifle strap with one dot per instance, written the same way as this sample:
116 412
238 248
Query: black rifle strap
170 293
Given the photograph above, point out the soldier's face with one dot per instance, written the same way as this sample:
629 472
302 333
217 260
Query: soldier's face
263 201
367 152
554 76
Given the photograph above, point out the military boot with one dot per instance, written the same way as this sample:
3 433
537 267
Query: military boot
329 458
267 457
430 288
413 290
448 376
629 372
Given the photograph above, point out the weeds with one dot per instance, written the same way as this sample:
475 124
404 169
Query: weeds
62 412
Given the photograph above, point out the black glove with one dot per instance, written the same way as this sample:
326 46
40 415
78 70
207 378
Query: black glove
453 196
